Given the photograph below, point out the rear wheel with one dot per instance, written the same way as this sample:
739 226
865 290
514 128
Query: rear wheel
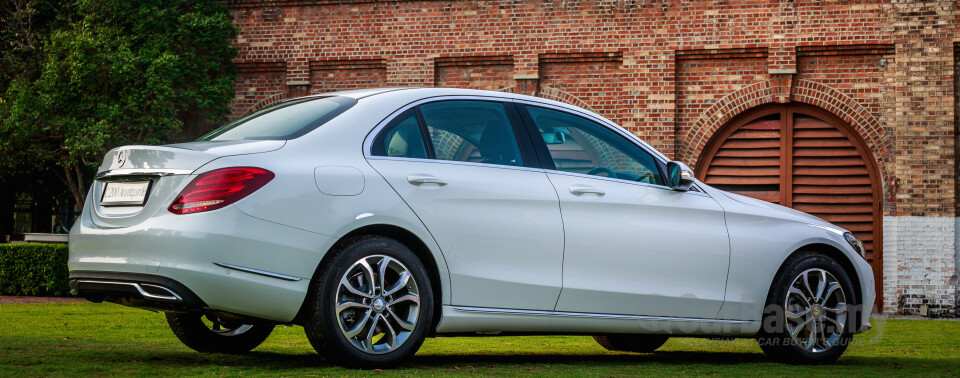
809 313
371 306
210 334
637 343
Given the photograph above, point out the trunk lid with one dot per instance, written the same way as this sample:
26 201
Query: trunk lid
134 182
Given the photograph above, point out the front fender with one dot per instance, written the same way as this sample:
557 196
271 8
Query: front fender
761 240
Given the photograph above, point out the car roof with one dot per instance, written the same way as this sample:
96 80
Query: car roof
426 92
420 93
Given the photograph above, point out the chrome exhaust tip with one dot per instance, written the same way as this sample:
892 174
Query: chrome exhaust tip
147 291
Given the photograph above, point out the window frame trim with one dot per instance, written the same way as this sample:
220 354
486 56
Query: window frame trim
657 155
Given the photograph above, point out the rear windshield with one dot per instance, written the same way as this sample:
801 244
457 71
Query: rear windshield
283 121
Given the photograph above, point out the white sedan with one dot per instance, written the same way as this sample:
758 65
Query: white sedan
377 218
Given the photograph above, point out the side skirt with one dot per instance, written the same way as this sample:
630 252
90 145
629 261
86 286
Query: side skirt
482 320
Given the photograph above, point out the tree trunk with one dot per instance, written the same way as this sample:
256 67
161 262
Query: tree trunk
77 186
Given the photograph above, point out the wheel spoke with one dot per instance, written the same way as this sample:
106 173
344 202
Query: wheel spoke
357 328
836 324
368 270
409 297
393 334
800 293
401 282
841 308
797 315
382 273
796 331
350 304
823 335
345 283
402 323
832 287
806 283
812 337
368 342
820 286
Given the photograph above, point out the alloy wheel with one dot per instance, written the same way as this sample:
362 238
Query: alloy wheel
816 311
378 304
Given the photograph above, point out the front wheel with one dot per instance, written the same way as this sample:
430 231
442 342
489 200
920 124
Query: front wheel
210 334
809 312
372 304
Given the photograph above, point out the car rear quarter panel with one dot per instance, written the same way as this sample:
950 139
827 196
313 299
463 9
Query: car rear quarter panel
294 198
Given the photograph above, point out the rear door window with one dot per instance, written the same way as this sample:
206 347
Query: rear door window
472 131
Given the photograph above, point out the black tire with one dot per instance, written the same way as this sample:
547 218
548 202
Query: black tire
774 336
229 337
323 324
637 343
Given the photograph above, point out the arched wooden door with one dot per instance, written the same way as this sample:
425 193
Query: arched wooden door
802 157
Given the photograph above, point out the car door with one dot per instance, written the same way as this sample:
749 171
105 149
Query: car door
633 245
482 196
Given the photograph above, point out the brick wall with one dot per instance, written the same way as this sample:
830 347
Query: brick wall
257 85
492 73
341 75
672 72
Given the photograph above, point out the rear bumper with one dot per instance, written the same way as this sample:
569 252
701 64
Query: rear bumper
220 261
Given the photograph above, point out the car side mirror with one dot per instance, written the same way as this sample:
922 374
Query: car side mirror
679 176
553 137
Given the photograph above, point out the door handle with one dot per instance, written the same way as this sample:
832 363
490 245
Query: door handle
584 189
426 179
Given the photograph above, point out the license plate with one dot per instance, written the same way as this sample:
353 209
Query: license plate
127 193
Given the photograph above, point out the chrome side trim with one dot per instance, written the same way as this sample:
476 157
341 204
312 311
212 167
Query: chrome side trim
591 315
259 272
619 181
172 297
503 311
141 172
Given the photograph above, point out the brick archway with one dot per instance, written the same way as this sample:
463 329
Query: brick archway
803 91
267 101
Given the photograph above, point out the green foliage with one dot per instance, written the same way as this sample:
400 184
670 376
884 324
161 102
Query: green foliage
25 29
124 72
33 269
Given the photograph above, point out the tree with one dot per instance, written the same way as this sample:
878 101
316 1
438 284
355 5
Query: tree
124 72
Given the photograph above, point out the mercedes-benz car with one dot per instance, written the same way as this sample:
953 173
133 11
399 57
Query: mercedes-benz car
377 218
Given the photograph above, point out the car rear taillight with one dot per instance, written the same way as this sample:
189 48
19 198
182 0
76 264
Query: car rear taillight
219 188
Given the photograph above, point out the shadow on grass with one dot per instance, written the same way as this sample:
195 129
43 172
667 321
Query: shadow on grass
718 358
292 361
285 363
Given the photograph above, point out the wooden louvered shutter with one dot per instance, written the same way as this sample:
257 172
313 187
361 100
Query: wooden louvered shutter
831 179
748 161
801 157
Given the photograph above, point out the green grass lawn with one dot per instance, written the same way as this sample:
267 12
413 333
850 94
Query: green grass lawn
106 339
